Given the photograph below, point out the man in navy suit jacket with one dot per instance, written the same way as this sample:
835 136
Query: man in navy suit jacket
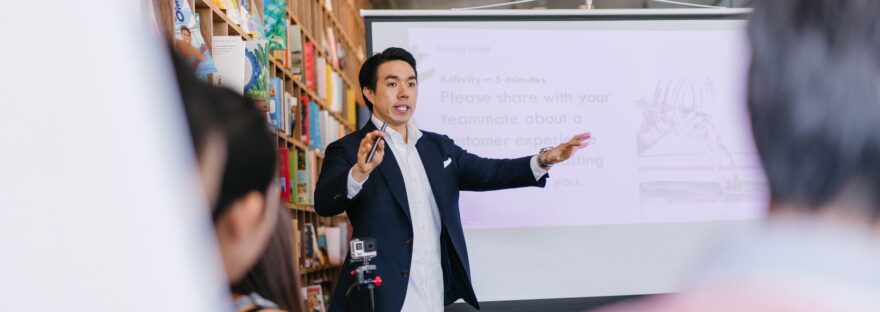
410 204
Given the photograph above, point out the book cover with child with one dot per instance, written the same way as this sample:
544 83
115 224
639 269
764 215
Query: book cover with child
188 40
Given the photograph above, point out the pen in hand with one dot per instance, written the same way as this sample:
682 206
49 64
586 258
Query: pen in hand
376 143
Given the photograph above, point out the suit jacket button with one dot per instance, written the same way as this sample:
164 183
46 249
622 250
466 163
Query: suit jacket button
338 197
405 274
408 241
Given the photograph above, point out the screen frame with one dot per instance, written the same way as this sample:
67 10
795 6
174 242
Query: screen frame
372 17
396 16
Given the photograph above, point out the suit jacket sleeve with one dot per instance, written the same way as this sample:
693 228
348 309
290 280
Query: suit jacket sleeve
476 173
331 191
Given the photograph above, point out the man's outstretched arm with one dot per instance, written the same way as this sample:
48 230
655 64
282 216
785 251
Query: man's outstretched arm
476 173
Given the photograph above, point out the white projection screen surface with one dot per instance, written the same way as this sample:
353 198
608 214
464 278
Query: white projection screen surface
671 166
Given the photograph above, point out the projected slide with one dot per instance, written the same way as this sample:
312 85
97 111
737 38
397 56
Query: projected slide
666 109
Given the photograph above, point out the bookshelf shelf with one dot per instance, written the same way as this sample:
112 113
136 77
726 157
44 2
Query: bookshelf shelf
331 267
301 207
297 143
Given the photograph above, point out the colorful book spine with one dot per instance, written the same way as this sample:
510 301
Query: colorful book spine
276 102
284 173
304 111
309 64
315 141
292 166
302 177
254 22
295 48
321 73
350 106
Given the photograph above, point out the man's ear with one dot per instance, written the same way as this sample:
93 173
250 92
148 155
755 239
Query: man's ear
369 94
244 215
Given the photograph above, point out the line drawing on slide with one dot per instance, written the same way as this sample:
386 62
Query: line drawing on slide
683 157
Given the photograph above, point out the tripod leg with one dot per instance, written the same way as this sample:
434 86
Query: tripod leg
372 299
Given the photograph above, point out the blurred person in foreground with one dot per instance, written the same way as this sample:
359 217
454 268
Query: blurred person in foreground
237 159
814 102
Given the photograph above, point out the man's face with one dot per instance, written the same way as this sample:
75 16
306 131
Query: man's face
394 100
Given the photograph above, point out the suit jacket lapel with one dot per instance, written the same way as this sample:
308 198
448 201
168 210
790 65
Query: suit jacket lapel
432 160
394 178
390 172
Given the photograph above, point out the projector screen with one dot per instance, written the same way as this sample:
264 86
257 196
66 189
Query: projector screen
671 164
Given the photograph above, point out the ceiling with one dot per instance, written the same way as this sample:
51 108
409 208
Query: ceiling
546 4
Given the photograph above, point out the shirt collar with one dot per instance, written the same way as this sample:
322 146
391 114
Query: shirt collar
412 131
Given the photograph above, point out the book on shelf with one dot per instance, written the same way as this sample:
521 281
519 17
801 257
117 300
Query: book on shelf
302 178
334 97
350 106
257 71
321 77
295 48
345 238
314 117
276 103
333 237
330 87
308 247
304 134
314 298
361 54
314 257
289 113
309 64
297 243
244 10
275 21
311 166
292 166
332 48
340 54
284 173
229 57
276 31
326 288
254 21
325 128
322 245
188 40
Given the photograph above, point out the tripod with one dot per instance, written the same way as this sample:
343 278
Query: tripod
364 282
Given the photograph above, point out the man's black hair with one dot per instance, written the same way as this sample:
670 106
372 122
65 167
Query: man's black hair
370 69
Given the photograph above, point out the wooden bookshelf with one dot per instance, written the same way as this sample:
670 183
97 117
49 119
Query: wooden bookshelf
301 207
222 25
313 19
322 268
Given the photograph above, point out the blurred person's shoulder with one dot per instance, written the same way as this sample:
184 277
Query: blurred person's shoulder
786 264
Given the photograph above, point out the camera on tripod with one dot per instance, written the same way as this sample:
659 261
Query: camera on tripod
363 249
